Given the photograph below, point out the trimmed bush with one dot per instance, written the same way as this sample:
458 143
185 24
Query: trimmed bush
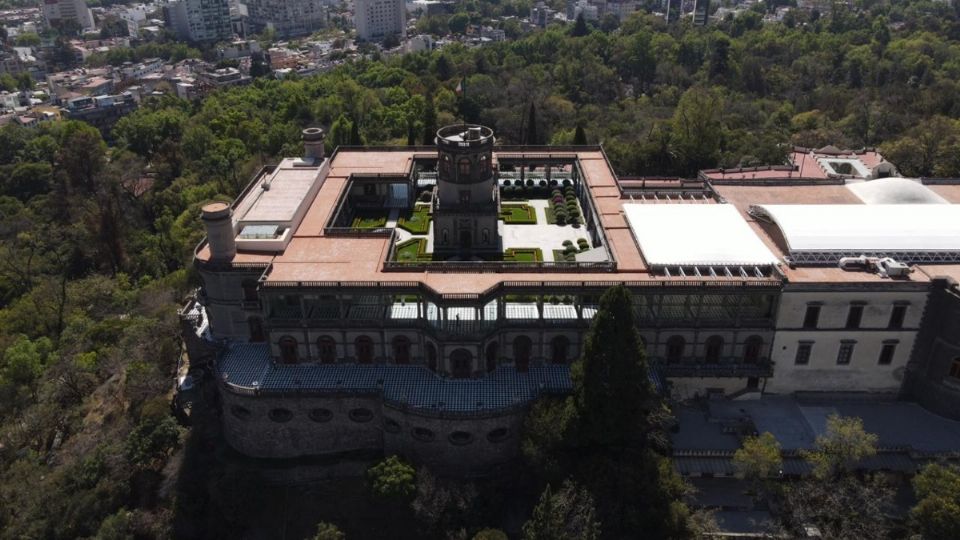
553 182
567 243
583 244
529 183
543 183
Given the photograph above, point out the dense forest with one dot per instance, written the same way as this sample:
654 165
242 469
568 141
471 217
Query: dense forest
95 239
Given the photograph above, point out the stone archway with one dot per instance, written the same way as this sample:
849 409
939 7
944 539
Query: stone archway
461 363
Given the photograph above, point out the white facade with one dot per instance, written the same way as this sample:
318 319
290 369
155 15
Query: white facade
377 19
55 12
822 367
200 20
286 17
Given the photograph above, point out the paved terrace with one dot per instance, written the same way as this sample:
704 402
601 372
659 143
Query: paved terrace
247 368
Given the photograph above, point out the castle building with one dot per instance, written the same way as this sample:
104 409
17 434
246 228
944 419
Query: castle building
416 300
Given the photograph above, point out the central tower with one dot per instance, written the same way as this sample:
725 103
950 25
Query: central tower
467 204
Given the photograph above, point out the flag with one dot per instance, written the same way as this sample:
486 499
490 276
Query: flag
461 87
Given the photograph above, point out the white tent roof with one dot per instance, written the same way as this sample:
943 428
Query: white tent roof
866 227
695 234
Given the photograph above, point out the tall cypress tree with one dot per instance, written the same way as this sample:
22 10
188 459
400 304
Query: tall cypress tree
429 121
580 27
355 139
532 137
580 136
612 390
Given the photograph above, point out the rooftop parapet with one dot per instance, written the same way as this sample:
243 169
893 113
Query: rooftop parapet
464 136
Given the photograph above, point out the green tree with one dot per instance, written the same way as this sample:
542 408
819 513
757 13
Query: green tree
936 516
568 514
759 457
393 479
697 129
490 534
841 447
340 132
24 81
328 531
458 23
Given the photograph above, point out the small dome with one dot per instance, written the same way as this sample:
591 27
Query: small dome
895 191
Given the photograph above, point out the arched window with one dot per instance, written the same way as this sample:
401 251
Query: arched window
522 347
364 349
486 236
559 347
250 293
752 349
401 350
288 350
327 349
445 237
255 325
493 350
675 348
955 368
714 349
461 361
464 168
432 357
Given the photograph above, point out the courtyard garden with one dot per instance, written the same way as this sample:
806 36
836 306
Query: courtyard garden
523 255
417 221
518 214
369 220
413 250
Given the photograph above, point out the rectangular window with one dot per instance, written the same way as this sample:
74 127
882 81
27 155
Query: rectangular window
812 317
803 353
854 316
845 354
465 197
886 353
896 317
955 368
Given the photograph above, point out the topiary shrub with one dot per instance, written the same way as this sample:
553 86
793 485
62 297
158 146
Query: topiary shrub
530 183
583 244
567 243
506 183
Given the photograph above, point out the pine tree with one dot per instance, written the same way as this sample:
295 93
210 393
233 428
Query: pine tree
580 136
340 132
532 137
411 133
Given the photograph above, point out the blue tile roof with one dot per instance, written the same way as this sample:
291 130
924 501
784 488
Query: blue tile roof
249 366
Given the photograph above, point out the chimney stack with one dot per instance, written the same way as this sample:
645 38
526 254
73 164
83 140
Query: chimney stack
220 235
313 144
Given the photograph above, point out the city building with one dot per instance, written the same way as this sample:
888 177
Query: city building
199 20
287 18
701 12
377 19
57 13
417 300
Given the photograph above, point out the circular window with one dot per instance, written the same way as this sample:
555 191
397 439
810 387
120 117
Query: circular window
460 438
498 435
423 434
361 415
320 415
242 413
391 426
281 415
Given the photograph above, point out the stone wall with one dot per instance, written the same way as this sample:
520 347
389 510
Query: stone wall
295 426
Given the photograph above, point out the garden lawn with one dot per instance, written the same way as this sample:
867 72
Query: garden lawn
531 255
417 222
518 214
413 250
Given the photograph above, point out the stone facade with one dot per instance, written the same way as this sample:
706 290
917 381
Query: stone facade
294 426
933 376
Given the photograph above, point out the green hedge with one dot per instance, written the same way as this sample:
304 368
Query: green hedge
523 255
417 222
518 214
413 250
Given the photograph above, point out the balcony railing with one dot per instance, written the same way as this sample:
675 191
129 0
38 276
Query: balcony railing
725 367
